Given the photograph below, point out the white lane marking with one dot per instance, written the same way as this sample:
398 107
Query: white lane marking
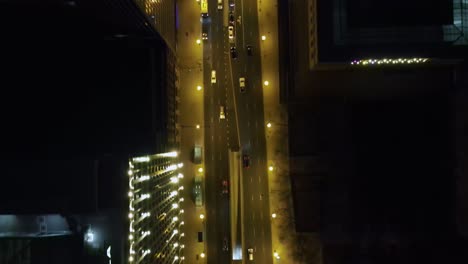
252 197
250 33
211 119
212 138
251 179
259 179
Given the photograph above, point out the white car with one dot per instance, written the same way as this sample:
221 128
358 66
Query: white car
222 115
220 4
250 251
213 76
231 32
242 84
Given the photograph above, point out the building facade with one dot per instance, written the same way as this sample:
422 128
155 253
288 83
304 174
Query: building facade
155 218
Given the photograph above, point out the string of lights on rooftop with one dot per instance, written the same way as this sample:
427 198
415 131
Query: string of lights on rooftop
385 61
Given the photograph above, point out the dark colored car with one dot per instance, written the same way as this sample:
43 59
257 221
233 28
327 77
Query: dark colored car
225 244
246 161
233 53
249 50
232 19
225 189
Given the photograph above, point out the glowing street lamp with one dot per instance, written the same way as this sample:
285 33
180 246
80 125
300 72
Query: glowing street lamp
197 126
273 215
200 170
202 255
266 83
270 168
202 216
199 87
198 41
268 124
263 37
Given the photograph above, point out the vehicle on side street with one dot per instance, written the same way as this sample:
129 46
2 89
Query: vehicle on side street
200 237
242 84
220 4
246 161
222 115
250 251
232 19
233 53
225 187
225 244
205 36
213 76
231 32
204 8
197 154
249 50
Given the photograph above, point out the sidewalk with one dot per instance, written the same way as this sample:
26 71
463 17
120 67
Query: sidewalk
289 245
190 74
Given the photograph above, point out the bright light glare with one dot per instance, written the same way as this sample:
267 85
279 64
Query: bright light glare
200 170
130 172
266 83
268 124
198 126
273 215
174 205
174 180
180 165
180 176
199 87
175 218
130 194
202 216
130 215
198 41
202 255
263 37
270 168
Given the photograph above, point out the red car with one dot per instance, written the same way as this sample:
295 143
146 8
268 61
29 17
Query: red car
246 161
225 186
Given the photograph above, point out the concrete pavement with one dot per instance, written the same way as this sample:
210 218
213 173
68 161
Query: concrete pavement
190 73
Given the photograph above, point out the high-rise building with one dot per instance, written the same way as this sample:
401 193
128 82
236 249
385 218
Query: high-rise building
154 212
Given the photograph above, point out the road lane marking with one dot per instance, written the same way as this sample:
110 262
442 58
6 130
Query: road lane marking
252 197
212 138
251 179
211 119
259 179
248 123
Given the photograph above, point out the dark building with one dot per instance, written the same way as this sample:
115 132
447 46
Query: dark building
87 85
373 110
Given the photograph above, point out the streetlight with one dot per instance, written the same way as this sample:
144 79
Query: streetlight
273 215
268 124
199 87
263 37
202 255
197 126
202 216
266 83
198 41
270 168
200 170
276 254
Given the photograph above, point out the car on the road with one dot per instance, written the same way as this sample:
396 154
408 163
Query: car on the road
222 115
225 244
245 161
242 84
232 19
220 4
233 53
204 36
225 187
250 251
231 32
249 50
213 76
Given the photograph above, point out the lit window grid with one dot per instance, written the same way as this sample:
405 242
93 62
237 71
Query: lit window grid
160 201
